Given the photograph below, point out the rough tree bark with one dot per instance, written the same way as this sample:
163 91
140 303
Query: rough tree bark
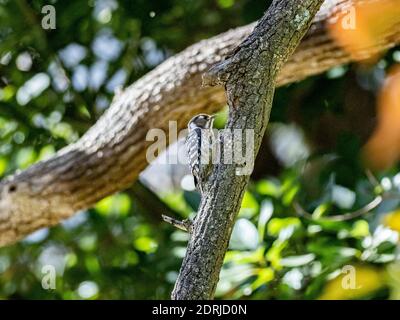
249 77
110 156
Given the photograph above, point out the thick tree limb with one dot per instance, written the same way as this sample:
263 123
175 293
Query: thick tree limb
249 77
110 156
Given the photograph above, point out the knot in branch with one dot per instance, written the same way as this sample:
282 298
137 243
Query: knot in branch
218 74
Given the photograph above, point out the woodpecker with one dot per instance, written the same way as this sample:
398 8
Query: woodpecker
199 145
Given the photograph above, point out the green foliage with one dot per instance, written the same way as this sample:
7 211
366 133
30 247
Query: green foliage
295 257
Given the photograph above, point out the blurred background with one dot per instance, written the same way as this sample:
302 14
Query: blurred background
332 148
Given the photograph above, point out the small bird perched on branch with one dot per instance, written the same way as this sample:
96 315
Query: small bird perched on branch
199 144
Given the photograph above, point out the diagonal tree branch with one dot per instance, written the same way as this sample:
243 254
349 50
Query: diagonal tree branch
249 76
110 156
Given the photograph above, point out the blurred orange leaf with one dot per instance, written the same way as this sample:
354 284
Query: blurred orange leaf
382 150
361 27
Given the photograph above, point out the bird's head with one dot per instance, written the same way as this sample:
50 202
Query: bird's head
203 121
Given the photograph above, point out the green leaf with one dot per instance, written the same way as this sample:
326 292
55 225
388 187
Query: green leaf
226 3
3 165
267 209
119 204
268 188
360 229
26 157
321 210
145 244
249 207
263 277
277 225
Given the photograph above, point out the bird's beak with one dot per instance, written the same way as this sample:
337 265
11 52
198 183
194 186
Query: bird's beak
213 117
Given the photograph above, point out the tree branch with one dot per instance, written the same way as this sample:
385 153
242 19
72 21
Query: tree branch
249 76
110 156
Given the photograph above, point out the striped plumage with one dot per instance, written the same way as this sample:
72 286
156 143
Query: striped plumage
198 146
